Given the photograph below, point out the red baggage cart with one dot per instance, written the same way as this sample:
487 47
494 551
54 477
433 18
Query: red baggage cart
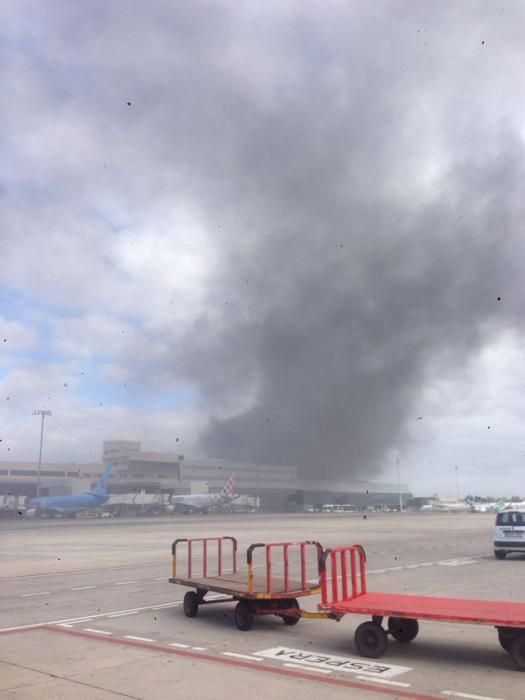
344 591
290 570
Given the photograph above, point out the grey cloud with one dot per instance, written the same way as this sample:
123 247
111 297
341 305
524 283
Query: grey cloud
358 170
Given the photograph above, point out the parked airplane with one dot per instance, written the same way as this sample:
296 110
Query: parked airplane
202 502
512 505
70 505
443 507
493 507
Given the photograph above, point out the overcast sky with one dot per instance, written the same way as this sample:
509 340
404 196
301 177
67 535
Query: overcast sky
282 232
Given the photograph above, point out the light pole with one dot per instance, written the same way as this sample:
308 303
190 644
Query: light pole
457 482
399 487
42 413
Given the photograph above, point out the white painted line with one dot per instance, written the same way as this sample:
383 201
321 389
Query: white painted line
124 614
426 563
242 656
161 578
36 625
456 562
161 607
82 620
138 639
469 696
65 624
124 583
30 595
383 680
82 588
376 571
83 571
304 667
90 629
180 646
199 648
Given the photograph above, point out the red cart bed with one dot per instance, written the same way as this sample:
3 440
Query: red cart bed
211 565
344 591
484 612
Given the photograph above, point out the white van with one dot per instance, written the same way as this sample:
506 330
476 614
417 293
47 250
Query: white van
509 533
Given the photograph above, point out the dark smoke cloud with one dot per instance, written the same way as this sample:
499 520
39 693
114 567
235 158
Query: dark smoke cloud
345 323
347 284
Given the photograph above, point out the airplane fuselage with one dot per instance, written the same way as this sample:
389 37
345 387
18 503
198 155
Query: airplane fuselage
67 504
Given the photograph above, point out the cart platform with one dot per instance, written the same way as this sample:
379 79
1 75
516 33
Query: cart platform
485 612
236 585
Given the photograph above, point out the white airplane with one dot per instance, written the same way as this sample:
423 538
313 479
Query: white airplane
455 507
202 502
493 507
510 505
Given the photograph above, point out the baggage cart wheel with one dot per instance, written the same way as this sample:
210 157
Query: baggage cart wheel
291 619
517 650
500 553
243 616
506 635
371 640
403 629
191 604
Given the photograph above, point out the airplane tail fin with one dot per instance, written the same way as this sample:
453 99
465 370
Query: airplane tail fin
229 489
102 486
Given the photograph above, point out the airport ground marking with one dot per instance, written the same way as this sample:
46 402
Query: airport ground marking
303 673
87 618
124 583
95 631
384 680
82 571
138 639
31 595
310 668
199 648
179 645
330 662
82 588
467 696
242 656
456 562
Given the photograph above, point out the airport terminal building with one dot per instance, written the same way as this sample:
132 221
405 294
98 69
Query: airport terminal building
277 487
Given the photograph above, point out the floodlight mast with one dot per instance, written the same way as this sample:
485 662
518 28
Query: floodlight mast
399 487
43 414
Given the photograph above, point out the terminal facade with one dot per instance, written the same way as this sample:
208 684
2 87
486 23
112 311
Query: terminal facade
277 487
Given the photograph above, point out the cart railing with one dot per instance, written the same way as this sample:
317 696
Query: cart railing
223 548
304 549
343 574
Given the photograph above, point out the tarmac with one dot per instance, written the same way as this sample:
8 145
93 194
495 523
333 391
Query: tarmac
86 611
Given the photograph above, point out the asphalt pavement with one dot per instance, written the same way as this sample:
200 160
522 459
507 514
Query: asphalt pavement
86 609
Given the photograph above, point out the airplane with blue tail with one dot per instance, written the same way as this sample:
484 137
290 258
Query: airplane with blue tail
71 505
